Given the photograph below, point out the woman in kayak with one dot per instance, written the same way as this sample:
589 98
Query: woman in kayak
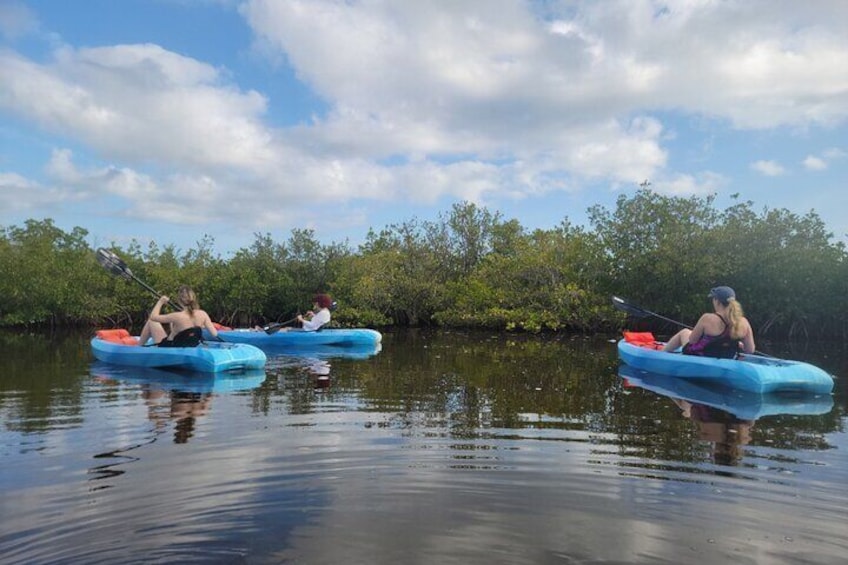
186 325
718 334
315 319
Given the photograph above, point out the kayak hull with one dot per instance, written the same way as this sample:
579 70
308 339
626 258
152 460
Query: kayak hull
296 338
210 357
201 382
755 373
743 404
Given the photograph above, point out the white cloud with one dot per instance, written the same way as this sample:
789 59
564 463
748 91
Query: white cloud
453 64
16 19
21 194
814 163
835 153
430 99
17 192
704 183
140 103
768 168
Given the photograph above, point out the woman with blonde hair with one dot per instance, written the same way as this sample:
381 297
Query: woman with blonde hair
717 334
186 326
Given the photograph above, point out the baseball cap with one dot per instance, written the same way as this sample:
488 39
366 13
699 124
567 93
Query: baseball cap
722 294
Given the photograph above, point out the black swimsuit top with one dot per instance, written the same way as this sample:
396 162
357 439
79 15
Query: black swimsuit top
722 346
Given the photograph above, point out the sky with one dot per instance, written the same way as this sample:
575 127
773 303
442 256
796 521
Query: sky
170 120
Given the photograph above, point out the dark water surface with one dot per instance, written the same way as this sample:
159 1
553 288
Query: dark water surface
444 447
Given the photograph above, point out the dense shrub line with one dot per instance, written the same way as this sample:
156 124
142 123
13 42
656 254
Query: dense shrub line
469 268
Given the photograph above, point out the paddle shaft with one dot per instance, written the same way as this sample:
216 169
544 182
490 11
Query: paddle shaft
275 327
634 310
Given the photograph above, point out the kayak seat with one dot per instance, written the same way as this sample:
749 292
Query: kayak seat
119 336
189 337
642 339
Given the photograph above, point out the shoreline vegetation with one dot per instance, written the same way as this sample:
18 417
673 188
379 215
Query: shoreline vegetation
471 268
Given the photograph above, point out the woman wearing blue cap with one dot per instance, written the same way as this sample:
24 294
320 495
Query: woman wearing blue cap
717 334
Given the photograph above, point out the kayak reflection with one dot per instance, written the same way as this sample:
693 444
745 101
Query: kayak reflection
324 352
724 416
185 381
179 397
316 361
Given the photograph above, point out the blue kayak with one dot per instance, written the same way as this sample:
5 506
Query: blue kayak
209 357
296 338
755 373
743 404
179 380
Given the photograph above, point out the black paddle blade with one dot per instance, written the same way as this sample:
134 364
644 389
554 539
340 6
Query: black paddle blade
630 309
113 264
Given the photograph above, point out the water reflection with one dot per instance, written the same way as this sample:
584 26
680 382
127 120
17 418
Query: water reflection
316 362
182 381
180 398
724 416
444 447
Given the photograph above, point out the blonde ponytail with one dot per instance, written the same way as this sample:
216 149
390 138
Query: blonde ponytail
188 299
735 314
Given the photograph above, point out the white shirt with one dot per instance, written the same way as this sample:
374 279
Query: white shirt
320 318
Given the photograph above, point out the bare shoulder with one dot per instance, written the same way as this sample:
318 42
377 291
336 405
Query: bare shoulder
201 317
708 318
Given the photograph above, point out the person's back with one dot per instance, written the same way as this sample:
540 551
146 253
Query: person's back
719 333
182 321
715 341
188 323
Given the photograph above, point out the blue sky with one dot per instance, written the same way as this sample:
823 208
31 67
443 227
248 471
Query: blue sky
168 120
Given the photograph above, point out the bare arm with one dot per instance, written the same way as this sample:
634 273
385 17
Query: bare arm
207 323
156 315
698 330
748 345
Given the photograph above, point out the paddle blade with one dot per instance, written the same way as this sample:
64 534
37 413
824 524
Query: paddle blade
271 329
113 264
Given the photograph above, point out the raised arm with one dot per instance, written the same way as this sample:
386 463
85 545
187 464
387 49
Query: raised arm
156 314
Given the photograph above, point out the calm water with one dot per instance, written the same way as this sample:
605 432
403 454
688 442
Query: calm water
443 447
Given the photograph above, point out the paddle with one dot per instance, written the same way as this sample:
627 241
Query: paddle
638 312
115 265
271 329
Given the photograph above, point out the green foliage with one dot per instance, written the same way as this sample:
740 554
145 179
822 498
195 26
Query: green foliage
662 250
542 283
42 280
470 268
